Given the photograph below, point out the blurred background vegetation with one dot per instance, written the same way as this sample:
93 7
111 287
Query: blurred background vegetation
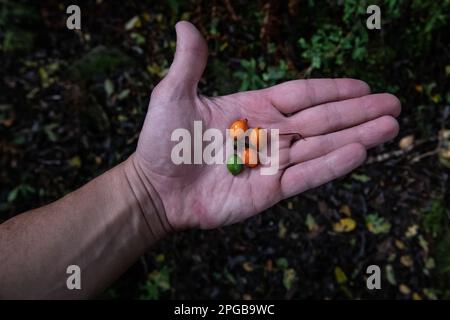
72 104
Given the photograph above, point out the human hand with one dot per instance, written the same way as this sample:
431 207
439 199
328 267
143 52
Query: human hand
338 118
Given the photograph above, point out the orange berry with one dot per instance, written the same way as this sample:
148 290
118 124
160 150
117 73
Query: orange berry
250 158
238 129
257 138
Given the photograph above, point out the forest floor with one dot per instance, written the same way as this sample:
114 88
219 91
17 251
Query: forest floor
73 103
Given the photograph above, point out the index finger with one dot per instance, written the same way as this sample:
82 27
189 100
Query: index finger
295 95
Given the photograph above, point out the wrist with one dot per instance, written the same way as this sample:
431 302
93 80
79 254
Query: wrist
145 199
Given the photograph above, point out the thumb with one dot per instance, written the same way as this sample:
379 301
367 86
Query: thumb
190 57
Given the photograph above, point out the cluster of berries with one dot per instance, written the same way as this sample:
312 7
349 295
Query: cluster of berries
249 157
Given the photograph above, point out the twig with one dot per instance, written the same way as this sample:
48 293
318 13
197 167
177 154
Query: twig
424 155
397 153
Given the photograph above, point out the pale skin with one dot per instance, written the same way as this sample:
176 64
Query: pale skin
107 224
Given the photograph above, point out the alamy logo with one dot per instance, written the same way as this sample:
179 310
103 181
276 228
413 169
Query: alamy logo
374 20
73 22
192 149
374 280
74 280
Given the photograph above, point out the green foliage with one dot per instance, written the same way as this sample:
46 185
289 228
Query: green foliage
157 283
256 74
329 46
17 40
15 12
22 190
282 263
434 219
99 61
377 224
17 21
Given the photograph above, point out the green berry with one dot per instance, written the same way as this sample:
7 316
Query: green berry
235 164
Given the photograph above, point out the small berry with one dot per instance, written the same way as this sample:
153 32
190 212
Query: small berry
250 157
257 139
238 129
234 164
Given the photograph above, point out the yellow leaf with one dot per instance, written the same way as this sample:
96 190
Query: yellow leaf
289 278
399 244
404 289
340 275
281 230
345 209
416 296
75 162
412 231
407 261
419 88
436 98
247 266
146 16
344 225
406 142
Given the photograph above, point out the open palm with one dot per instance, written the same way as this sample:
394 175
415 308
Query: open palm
339 119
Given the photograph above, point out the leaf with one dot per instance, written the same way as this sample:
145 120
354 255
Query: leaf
48 129
400 244
281 230
139 39
75 162
160 258
345 210
407 261
157 281
430 264
419 88
134 22
430 293
229 277
289 277
22 189
377 224
406 142
390 276
13 194
416 296
423 243
282 263
412 231
361 177
247 266
311 223
403 288
344 225
124 94
341 278
109 87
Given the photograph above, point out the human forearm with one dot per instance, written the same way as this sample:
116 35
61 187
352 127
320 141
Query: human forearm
102 227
